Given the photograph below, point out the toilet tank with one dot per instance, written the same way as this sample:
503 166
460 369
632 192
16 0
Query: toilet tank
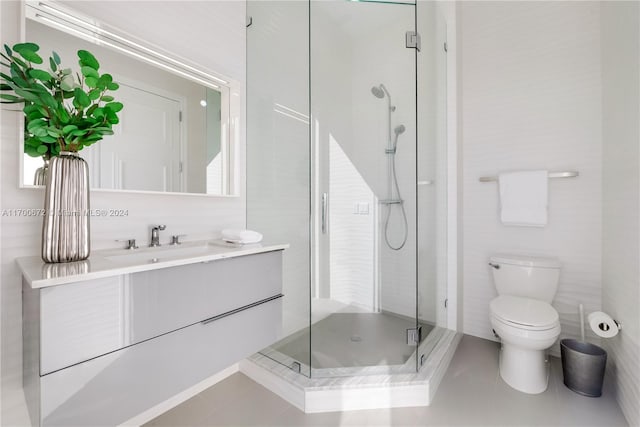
526 276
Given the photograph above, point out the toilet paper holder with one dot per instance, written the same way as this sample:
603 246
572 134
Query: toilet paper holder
605 327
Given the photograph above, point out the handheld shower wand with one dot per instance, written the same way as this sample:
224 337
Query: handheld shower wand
392 179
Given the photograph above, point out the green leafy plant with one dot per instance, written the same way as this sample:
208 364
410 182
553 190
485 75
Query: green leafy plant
62 112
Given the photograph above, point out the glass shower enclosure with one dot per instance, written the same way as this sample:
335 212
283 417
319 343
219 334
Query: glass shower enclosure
339 167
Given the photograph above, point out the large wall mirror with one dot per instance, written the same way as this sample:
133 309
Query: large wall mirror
179 128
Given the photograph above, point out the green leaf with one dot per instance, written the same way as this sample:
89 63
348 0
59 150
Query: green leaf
86 58
10 98
31 151
26 46
66 72
69 128
32 112
48 139
94 94
40 75
56 57
115 106
104 81
106 98
98 113
26 95
112 117
53 65
31 56
42 149
19 61
89 72
54 131
17 76
49 100
8 50
79 132
39 132
63 115
81 98
33 142
91 82
91 109
33 124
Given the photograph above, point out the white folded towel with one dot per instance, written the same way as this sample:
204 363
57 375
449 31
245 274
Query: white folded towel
524 198
241 236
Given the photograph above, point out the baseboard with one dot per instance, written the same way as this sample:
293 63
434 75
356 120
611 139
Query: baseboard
174 401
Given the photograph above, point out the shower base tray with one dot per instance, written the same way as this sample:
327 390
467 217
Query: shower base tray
347 393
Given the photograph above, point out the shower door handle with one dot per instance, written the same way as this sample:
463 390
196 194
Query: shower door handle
323 214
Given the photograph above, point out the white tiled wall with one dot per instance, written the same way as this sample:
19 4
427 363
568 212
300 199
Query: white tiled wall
621 198
531 91
198 217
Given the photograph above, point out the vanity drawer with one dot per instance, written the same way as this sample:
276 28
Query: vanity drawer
167 299
84 320
113 388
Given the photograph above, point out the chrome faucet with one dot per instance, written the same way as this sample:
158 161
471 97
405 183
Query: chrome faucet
155 235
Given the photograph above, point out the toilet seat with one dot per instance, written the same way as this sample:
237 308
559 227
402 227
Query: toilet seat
524 313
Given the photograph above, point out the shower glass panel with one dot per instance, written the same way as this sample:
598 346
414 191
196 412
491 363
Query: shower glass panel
278 153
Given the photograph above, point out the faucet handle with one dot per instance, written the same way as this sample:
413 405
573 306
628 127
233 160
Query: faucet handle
175 239
131 243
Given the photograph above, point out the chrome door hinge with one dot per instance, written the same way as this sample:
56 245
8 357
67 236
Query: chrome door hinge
413 335
412 39
446 47
180 116
180 167
446 303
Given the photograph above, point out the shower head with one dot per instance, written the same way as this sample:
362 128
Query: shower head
399 129
377 92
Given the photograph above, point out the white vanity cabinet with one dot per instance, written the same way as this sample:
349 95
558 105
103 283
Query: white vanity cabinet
101 351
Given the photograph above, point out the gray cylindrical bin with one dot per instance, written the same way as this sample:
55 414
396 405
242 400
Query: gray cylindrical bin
583 367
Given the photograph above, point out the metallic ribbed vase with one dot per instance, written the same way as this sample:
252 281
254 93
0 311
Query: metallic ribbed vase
65 229
40 177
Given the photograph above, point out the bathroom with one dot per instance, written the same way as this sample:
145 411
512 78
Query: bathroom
520 86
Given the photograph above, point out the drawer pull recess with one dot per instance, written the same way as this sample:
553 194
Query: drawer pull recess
238 310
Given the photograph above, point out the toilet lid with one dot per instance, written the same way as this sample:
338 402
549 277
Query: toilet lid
524 311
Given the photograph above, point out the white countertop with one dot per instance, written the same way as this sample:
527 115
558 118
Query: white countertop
113 262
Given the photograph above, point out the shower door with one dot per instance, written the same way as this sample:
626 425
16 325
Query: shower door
363 140
336 169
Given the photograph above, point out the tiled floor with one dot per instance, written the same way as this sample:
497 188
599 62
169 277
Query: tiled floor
471 394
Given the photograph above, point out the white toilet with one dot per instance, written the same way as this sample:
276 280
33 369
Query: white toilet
522 316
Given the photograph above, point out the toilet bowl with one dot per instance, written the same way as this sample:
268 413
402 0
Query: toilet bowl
524 319
527 328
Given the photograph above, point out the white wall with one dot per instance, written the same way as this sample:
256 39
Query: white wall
531 90
621 198
198 217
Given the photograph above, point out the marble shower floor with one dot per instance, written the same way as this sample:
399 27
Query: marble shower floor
352 340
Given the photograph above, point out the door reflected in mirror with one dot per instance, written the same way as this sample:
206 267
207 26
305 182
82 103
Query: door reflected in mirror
174 133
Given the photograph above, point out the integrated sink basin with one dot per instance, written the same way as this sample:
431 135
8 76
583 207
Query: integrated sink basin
163 253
